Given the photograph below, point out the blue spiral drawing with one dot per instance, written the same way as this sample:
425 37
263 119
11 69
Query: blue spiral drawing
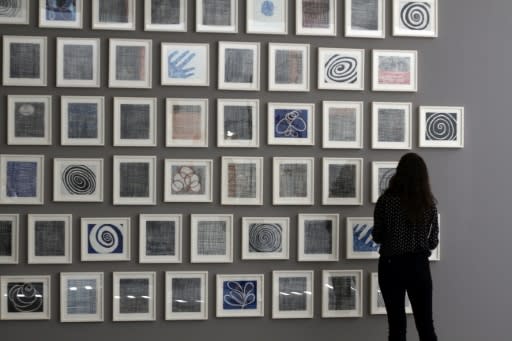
415 15
105 239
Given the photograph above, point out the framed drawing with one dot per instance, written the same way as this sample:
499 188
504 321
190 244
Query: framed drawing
360 244
218 16
165 15
81 296
240 295
25 61
318 237
342 293
105 239
391 125
134 296
265 238
82 121
239 66
134 180
78 180
365 18
160 238
185 64
316 17
78 62
60 13
267 17
238 123
395 70
292 294
441 127
242 181
342 181
21 179
288 68
130 63
186 295
211 237
293 181
382 172
29 119
377 306
342 125
113 15
50 238
25 297
415 18
135 122
186 122
340 69
15 12
9 238
291 124
188 180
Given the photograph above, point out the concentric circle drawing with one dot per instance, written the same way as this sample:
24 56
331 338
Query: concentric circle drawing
265 237
186 180
441 126
415 15
341 69
9 8
79 180
25 297
105 238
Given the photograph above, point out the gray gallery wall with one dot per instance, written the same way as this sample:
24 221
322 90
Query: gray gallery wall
468 65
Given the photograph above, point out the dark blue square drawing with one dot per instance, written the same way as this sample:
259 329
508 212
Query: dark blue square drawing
240 295
363 243
21 179
291 123
105 239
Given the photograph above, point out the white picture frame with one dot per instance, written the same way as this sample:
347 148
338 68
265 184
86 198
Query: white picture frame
102 19
78 180
134 73
15 13
242 180
82 120
415 18
154 18
382 171
341 69
21 179
359 240
188 180
29 119
186 122
377 306
211 238
395 70
297 173
68 15
336 283
239 66
78 62
50 238
32 69
183 299
342 125
81 297
292 294
391 125
238 123
265 238
291 124
215 23
9 238
284 73
114 244
163 232
185 64
135 121
318 237
251 300
126 285
262 18
441 127
36 288
313 24
136 186
337 187
358 24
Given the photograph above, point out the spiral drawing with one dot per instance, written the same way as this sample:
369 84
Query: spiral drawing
9 8
79 180
265 237
105 239
385 176
441 126
25 297
239 295
415 15
341 69
186 180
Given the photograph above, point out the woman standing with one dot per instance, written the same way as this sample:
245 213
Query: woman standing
406 226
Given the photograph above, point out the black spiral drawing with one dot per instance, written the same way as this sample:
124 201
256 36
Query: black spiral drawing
441 126
105 239
416 15
341 69
79 180
265 237
25 297
9 8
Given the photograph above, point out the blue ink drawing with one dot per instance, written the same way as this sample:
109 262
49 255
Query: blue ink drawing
267 8
21 179
291 123
105 239
178 62
362 238
82 120
239 295
61 10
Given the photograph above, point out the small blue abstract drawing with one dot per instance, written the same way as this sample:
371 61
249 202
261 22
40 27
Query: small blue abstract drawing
21 179
178 62
61 10
291 123
239 295
362 238
267 8
105 239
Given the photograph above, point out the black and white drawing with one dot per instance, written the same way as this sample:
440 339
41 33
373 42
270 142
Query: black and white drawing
265 238
9 238
135 122
81 296
134 296
165 15
130 63
49 238
29 119
24 62
134 180
415 18
365 18
219 16
318 236
342 125
211 238
239 66
160 238
391 125
340 69
15 12
441 127
293 181
78 62
267 16
288 68
316 17
186 295
238 123
292 294
113 15
78 180
105 239
242 181
25 297
342 181
342 293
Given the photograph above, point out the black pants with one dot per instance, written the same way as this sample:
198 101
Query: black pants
409 273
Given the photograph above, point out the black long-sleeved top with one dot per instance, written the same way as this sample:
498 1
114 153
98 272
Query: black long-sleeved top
394 231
